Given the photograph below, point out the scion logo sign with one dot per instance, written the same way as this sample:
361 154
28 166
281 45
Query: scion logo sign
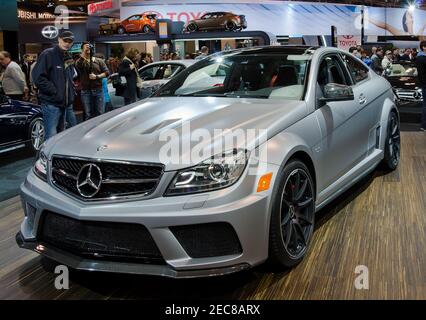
89 180
50 32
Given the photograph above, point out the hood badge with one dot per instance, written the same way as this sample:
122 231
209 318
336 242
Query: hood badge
89 180
102 148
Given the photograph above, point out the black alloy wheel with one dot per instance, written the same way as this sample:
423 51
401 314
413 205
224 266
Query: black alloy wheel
293 216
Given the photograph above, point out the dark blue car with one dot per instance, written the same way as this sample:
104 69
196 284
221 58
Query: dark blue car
21 125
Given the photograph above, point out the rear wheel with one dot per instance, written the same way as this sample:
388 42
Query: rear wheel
392 143
121 30
36 134
293 215
192 27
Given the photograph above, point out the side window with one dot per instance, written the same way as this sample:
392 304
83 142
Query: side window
171 70
358 71
148 73
133 18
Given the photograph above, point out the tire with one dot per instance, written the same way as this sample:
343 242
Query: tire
36 134
230 26
392 143
121 30
192 27
293 215
146 29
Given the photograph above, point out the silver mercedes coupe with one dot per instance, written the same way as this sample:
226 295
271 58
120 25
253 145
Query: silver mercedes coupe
220 170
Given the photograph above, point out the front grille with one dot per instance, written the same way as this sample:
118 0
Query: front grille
111 241
208 240
116 179
409 95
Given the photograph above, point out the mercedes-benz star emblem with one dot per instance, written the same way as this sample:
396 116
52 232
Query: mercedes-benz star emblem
50 32
417 95
89 180
102 148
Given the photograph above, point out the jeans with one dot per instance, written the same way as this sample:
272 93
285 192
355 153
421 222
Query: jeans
53 118
93 102
70 119
424 108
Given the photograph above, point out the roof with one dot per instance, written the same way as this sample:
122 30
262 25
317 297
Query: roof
273 50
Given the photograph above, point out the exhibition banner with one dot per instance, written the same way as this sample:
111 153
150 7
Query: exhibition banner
279 18
395 21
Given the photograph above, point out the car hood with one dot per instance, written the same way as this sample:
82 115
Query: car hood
142 131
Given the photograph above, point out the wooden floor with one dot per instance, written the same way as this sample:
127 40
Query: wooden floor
379 223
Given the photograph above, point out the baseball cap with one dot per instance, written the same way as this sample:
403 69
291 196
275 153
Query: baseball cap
66 35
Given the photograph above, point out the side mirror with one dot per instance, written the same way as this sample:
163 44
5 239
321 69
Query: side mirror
337 92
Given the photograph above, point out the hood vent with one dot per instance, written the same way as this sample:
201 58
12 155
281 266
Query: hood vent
160 125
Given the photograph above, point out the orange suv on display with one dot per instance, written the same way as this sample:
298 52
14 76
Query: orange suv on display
144 22
217 21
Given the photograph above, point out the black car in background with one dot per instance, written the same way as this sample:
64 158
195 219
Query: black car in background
403 78
21 125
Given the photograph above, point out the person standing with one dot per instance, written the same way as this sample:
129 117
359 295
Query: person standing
204 53
129 70
377 61
13 82
54 83
26 68
421 69
387 60
91 70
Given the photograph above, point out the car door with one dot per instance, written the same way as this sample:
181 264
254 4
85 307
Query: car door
205 21
131 24
370 101
344 141
12 122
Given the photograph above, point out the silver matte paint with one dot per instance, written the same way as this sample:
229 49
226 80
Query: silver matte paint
339 138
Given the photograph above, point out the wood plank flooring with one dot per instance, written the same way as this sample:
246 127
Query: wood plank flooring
379 223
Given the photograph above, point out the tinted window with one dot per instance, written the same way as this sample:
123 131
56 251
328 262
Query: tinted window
358 70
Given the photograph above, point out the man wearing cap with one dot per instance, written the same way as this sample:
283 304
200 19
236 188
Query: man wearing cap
54 81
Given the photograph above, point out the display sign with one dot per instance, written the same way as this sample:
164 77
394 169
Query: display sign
162 30
348 41
103 7
31 15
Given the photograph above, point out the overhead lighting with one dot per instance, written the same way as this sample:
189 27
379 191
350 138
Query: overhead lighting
411 7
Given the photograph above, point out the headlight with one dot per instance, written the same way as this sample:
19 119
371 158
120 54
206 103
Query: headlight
40 167
218 172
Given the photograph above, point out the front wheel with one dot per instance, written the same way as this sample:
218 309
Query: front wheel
293 215
146 29
36 134
230 26
392 143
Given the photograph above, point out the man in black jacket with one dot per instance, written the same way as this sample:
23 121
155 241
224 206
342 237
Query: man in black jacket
54 81
421 69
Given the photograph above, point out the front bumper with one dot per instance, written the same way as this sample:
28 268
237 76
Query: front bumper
239 206
79 263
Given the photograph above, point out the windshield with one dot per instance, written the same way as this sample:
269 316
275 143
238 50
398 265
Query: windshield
400 70
242 76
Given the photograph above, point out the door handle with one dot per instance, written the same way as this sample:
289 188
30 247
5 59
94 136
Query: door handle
362 99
